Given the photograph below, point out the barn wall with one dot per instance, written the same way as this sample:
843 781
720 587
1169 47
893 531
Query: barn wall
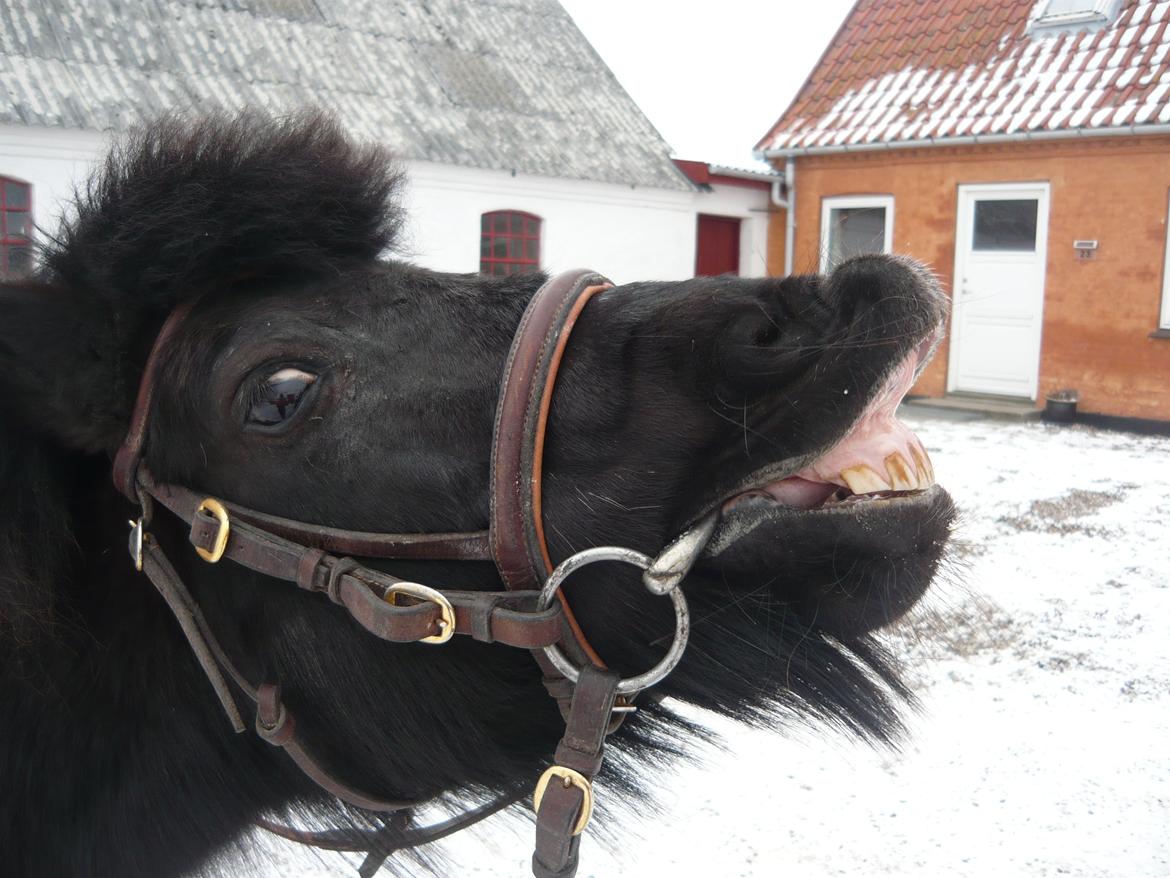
1098 313
627 234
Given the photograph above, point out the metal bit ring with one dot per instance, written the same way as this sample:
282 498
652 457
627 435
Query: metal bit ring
682 616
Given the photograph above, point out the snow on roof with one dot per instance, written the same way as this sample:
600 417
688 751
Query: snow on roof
925 70
507 84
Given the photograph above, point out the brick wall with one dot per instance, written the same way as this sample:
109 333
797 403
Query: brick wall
1098 313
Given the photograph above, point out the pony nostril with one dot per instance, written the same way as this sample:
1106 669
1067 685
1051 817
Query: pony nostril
760 348
752 328
766 335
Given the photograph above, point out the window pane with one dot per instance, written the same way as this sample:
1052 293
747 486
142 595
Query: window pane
485 223
533 228
15 261
17 225
531 249
1005 225
500 248
1070 7
517 224
856 230
16 195
500 225
485 247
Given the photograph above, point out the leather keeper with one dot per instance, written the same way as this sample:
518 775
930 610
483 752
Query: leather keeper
307 568
273 722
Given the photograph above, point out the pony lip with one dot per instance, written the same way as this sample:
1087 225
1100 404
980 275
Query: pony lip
877 455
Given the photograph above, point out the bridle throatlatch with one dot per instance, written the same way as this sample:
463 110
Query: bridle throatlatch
532 614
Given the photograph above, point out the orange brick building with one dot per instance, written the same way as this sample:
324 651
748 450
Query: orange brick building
1020 148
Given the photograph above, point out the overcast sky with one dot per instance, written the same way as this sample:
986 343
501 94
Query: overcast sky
712 77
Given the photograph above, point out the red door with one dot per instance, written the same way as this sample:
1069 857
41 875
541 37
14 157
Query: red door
717 249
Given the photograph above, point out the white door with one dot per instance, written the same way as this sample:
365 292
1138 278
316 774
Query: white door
1000 251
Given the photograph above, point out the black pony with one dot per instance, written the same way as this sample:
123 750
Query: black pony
316 380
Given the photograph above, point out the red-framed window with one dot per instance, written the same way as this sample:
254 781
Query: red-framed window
16 228
509 242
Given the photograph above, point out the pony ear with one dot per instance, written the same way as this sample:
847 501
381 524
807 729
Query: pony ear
61 371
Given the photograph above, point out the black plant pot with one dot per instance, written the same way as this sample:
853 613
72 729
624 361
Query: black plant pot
1061 407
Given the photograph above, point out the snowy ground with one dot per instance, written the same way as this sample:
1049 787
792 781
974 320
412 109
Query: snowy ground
1044 744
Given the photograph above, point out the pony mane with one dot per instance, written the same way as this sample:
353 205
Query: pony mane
182 206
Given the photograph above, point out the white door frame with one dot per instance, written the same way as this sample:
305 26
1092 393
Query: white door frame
963 233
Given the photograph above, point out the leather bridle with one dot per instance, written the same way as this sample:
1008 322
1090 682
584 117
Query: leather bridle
533 613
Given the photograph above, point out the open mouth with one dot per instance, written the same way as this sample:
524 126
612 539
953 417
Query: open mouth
878 458
849 537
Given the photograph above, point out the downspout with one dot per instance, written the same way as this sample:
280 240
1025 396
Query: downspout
790 217
789 205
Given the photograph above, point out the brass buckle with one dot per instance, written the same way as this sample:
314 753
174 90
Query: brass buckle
446 622
220 514
569 778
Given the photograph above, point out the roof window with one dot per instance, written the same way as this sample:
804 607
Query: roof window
1054 17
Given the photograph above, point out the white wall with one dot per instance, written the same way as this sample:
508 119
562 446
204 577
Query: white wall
52 160
624 232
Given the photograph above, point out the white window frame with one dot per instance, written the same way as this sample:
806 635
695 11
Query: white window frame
837 202
1164 322
1096 15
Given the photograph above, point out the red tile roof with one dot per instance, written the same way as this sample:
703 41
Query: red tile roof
928 70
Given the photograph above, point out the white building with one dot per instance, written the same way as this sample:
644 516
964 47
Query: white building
522 149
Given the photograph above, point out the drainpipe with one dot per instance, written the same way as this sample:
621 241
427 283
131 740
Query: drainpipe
790 217
789 205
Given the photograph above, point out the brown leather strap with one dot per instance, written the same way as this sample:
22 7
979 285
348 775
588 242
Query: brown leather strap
276 725
517 526
468 546
511 618
517 534
274 722
380 843
130 454
167 582
581 750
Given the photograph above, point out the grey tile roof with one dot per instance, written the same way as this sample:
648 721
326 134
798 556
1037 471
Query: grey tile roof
508 84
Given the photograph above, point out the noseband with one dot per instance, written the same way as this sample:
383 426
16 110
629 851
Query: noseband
533 613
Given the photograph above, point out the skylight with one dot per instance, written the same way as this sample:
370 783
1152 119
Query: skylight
1070 16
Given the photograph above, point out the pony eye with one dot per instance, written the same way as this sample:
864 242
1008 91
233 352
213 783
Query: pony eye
279 397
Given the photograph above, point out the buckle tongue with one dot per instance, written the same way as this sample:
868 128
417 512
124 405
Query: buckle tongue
569 778
136 535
